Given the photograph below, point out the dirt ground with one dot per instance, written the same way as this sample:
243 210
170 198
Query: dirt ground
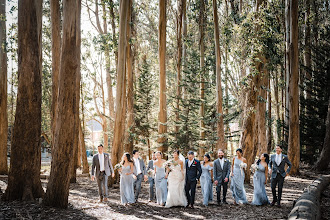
84 204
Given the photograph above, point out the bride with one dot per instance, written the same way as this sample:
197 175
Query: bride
176 179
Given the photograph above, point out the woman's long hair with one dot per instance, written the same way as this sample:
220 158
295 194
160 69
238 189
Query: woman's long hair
128 158
266 159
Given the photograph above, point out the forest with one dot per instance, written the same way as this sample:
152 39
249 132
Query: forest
188 75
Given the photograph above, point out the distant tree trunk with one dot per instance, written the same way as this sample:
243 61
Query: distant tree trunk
83 150
294 140
277 109
261 112
179 62
307 41
24 175
56 50
323 161
58 186
269 119
3 91
121 81
113 26
288 64
130 85
184 46
202 79
162 116
221 143
77 87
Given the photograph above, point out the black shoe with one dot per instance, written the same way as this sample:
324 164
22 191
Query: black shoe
219 203
278 205
273 203
192 206
224 202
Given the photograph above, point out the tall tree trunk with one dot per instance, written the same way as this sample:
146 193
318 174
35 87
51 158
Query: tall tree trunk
178 65
162 116
221 143
24 175
58 186
184 45
130 85
307 41
77 94
3 91
288 64
202 75
261 112
113 26
83 150
269 119
121 81
323 161
56 50
277 109
294 140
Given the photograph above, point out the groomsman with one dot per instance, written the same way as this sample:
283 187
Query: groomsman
221 172
193 173
103 166
277 170
151 180
139 172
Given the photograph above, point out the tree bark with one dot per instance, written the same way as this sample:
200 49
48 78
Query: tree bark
307 41
58 186
130 85
323 161
56 50
121 81
269 124
202 79
179 62
3 91
83 150
221 143
24 175
261 112
162 115
77 93
288 64
184 46
294 142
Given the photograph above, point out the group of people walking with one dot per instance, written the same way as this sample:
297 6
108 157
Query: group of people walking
173 182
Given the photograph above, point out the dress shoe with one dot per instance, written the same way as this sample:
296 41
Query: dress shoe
225 202
105 199
278 205
101 200
273 203
192 206
219 203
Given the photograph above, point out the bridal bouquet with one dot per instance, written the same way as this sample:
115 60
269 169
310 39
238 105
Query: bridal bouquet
243 165
151 173
118 166
168 165
254 168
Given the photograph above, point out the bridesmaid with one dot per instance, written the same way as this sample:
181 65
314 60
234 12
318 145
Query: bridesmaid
126 180
160 179
206 179
260 180
237 178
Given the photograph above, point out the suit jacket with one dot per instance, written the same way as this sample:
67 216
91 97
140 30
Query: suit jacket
107 165
193 172
142 167
281 167
220 173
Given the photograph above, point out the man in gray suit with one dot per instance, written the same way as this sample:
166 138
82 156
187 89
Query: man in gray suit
221 172
103 166
140 173
277 170
151 180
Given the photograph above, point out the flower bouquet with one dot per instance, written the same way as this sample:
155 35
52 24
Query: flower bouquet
151 173
118 166
168 165
243 165
254 168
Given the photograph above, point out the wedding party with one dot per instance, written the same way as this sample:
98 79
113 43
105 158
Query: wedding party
164 109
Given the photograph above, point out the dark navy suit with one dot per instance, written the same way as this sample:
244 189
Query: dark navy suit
193 173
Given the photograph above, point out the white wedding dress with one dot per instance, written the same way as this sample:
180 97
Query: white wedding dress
176 194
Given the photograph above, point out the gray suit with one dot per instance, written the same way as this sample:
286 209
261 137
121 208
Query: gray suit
278 175
139 178
219 174
151 181
102 177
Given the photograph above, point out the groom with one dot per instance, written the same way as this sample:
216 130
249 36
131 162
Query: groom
221 172
193 173
277 170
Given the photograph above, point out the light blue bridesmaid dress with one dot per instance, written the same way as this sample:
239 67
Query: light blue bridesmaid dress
161 185
126 186
206 184
237 183
259 193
